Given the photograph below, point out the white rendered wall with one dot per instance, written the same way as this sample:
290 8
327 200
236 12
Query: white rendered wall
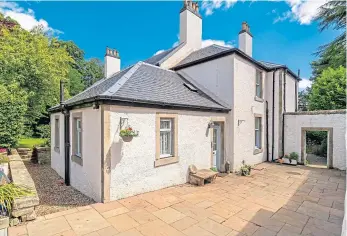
87 178
290 93
245 43
294 123
215 75
132 163
177 57
244 110
58 156
112 65
190 29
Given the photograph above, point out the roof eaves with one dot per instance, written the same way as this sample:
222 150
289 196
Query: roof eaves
229 52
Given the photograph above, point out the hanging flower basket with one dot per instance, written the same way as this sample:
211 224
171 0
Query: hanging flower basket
128 133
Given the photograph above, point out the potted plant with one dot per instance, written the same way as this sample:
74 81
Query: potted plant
128 133
245 169
291 159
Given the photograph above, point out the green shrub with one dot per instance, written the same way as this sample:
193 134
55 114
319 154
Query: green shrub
9 192
245 169
13 103
293 156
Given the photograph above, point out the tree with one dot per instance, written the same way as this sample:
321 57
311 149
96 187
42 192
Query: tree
331 15
13 103
329 90
92 71
303 99
34 62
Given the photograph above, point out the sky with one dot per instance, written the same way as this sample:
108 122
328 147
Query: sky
283 32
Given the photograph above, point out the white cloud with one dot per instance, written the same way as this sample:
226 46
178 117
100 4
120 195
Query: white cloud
204 43
208 42
304 83
158 52
25 17
302 11
210 6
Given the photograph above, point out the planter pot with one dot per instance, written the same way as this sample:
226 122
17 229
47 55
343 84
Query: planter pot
127 138
287 161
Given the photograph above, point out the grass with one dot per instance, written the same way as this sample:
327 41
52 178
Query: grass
31 142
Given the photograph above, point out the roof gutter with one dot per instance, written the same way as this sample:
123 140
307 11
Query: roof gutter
229 52
103 98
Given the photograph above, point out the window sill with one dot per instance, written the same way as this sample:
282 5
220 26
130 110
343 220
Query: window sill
258 99
57 149
77 159
257 151
166 161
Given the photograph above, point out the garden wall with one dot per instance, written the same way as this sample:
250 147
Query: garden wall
23 207
333 121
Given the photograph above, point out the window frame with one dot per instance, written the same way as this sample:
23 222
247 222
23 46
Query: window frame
77 155
57 133
169 130
260 84
161 160
260 130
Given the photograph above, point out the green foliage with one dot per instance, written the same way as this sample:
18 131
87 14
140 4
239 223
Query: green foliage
31 142
214 169
128 131
92 71
33 60
9 192
316 137
331 15
245 169
293 156
303 99
13 103
329 90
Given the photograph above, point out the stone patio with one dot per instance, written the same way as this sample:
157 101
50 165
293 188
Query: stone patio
274 200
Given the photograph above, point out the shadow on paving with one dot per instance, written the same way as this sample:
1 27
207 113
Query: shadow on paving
54 195
287 200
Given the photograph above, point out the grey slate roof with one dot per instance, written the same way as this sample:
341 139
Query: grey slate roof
202 53
214 51
146 83
270 64
161 57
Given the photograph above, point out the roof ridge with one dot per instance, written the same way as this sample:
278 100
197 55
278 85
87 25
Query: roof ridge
272 63
158 67
220 46
121 81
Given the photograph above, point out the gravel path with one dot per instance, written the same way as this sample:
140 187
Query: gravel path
54 195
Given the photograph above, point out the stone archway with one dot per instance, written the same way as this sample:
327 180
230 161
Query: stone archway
330 143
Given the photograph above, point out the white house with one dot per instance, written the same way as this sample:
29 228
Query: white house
190 105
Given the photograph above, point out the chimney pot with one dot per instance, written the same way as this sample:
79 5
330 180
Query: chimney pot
112 62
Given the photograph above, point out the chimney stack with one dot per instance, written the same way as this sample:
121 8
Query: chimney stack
190 25
245 39
112 62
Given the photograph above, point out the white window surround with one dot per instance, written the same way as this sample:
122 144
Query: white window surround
257 134
259 86
77 138
57 134
166 139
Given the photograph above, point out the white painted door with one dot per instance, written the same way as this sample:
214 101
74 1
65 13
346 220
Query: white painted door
216 146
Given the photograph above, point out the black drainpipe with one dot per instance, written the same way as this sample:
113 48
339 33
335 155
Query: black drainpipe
267 130
296 91
66 113
273 114
284 108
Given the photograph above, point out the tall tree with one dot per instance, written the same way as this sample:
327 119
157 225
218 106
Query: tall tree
329 90
34 62
331 15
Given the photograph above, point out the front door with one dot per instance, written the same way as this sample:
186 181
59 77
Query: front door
216 146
